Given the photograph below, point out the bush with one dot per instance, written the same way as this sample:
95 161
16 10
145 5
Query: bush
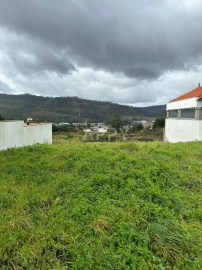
63 128
1 118
136 127
103 138
159 123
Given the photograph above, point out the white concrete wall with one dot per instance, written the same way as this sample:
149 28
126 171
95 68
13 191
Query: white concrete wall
183 130
40 133
183 104
16 134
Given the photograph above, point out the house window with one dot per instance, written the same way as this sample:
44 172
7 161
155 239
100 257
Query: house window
173 114
188 113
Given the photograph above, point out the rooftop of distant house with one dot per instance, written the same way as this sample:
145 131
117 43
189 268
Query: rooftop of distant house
195 93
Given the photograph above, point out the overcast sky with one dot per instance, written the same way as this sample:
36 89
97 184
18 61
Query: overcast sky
136 52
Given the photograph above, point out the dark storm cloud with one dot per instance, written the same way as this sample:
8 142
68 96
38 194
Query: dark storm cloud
36 61
139 38
141 73
70 42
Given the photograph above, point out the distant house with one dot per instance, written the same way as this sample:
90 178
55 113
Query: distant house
184 117
18 133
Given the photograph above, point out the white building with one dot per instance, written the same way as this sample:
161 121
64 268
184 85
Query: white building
17 134
184 117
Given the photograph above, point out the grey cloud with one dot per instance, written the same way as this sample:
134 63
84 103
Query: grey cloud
141 73
30 55
4 88
139 39
47 62
142 39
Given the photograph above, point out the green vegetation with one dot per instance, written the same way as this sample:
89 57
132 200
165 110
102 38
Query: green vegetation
101 206
116 121
135 127
64 128
159 123
68 109
1 117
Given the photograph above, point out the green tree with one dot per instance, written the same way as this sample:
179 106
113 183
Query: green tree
1 117
136 127
116 121
159 123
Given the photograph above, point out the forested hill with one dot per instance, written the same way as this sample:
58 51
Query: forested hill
68 109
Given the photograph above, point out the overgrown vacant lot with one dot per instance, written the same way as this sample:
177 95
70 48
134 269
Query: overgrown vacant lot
101 206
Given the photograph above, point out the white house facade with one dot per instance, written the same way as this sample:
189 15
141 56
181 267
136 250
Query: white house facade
17 134
184 118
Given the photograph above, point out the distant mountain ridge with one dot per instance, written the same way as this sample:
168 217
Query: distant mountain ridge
69 109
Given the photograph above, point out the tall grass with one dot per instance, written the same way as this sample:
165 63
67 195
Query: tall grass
101 206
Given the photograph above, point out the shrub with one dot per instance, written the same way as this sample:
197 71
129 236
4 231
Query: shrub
159 123
1 118
136 127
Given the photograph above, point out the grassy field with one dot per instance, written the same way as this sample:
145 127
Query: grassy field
90 206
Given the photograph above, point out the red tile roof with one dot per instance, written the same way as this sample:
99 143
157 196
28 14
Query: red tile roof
197 93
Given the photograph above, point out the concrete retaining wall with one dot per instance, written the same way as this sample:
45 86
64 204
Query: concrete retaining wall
17 134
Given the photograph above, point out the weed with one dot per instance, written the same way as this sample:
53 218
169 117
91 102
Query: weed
101 205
